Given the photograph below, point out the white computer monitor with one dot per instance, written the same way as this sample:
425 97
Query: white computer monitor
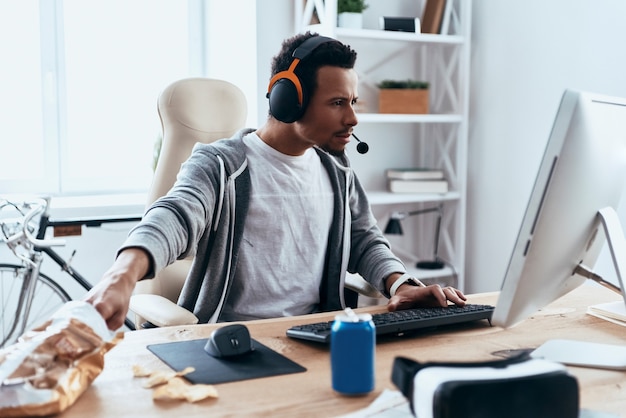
583 171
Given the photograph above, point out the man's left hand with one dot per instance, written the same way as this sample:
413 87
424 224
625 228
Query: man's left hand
434 295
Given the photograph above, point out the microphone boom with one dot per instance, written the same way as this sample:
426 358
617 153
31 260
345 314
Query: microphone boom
361 147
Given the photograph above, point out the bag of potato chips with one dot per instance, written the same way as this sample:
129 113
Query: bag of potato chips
49 367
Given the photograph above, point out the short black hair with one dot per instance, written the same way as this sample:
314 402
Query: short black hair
335 54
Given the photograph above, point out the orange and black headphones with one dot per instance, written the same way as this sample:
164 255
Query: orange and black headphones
287 97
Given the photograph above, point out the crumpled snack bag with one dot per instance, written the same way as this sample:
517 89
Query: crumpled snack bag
49 367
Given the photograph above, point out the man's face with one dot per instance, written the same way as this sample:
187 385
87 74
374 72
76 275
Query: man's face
330 116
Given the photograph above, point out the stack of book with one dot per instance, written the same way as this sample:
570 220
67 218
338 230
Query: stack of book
416 180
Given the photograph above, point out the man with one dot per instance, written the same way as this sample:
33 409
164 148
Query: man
275 217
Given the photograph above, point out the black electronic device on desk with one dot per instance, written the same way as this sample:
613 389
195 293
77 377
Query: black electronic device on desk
402 321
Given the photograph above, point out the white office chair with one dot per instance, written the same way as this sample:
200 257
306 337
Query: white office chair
192 110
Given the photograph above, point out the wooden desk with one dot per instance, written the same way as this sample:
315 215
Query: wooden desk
115 393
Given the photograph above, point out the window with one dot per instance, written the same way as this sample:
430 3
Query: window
79 85
21 92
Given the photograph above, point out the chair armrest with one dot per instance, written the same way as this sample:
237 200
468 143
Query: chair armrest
359 285
161 311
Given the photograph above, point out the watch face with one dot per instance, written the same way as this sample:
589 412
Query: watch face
415 282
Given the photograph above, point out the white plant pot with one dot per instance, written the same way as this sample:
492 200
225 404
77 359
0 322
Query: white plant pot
350 20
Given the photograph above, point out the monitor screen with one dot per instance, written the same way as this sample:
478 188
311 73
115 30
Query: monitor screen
582 171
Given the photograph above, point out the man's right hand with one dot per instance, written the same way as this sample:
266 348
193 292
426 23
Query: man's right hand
111 296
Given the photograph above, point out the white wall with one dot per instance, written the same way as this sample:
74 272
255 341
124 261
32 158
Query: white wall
244 60
275 22
524 54
232 52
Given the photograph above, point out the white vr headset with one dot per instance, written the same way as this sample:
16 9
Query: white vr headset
515 387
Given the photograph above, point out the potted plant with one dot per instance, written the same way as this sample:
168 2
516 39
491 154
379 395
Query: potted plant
350 13
403 96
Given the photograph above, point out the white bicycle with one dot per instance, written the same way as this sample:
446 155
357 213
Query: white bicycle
27 296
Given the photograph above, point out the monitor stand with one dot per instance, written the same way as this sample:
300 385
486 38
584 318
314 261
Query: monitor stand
617 246
597 355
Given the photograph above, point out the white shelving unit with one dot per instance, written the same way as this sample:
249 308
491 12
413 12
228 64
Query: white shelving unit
437 139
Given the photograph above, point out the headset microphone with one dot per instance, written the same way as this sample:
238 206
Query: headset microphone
362 147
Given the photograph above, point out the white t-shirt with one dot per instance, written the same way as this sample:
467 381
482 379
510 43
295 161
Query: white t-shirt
281 259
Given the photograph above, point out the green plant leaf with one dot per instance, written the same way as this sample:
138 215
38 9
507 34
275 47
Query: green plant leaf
403 84
351 6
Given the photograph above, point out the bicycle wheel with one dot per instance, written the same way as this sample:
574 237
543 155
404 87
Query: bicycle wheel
48 298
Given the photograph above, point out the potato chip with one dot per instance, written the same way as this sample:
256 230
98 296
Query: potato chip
159 377
178 389
170 386
140 371
198 392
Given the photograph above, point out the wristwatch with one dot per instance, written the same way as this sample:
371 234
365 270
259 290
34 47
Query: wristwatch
405 278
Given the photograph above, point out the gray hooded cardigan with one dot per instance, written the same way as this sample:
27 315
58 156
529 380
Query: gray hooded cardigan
205 212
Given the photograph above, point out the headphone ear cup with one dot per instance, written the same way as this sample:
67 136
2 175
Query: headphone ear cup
287 98
283 101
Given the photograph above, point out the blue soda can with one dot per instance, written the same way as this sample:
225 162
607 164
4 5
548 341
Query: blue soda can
352 353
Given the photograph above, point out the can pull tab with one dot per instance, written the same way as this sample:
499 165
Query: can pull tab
351 315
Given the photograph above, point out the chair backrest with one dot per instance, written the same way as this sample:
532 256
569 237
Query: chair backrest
193 110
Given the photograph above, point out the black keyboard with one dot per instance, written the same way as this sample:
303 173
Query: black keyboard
403 321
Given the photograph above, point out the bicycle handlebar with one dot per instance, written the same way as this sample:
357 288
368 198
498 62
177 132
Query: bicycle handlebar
22 225
54 242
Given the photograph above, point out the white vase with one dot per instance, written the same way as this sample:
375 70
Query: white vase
350 20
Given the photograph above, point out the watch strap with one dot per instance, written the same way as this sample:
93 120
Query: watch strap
405 278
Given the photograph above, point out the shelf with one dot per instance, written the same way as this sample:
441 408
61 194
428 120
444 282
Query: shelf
408 118
430 275
385 35
422 274
388 198
382 35
438 139
445 276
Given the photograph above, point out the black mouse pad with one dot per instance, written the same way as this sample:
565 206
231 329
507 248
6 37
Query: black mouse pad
262 362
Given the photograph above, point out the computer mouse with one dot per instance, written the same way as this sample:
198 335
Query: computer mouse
229 341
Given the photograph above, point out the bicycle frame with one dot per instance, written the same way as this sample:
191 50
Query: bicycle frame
46 222
27 293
